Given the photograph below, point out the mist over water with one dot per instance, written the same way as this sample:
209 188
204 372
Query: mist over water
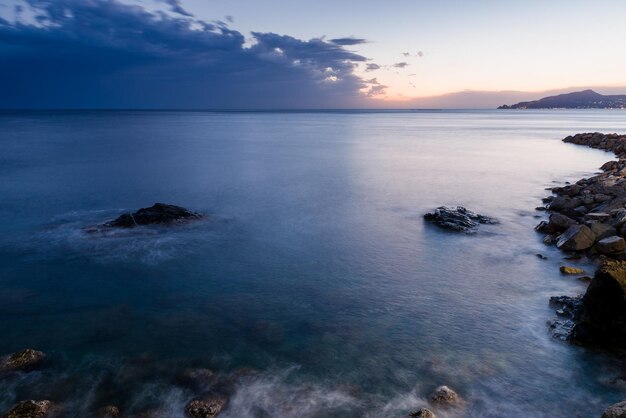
313 265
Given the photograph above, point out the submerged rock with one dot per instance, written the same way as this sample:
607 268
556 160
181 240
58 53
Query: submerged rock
444 396
457 218
207 407
24 360
603 319
617 410
576 238
157 214
422 413
30 409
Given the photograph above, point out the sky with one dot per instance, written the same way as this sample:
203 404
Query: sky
280 54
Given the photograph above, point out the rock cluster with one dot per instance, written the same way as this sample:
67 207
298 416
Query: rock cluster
589 218
457 218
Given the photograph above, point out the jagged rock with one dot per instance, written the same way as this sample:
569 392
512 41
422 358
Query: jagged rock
571 270
617 410
24 360
603 318
611 245
568 310
576 238
457 218
207 407
30 409
444 396
157 214
422 413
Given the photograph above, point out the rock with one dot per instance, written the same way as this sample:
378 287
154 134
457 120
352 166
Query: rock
24 360
571 270
30 409
444 396
617 410
559 222
603 318
110 411
598 216
541 256
422 413
159 213
602 230
610 245
576 238
207 407
457 218
561 203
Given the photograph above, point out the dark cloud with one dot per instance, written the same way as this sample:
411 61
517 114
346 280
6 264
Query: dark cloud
348 41
374 88
104 53
418 54
176 7
400 65
372 67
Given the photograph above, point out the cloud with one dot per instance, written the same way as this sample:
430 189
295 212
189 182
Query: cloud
348 41
372 67
400 65
105 53
418 54
374 88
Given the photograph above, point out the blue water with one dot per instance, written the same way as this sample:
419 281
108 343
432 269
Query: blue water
313 265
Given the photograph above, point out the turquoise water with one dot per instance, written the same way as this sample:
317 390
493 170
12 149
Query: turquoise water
313 264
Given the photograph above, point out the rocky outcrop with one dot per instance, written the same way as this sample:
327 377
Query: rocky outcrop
444 396
157 214
24 360
208 406
422 413
30 409
457 218
603 318
615 411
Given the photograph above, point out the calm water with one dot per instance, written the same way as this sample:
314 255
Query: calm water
314 267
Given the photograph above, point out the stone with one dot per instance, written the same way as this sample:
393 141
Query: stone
457 218
602 230
422 413
109 411
576 238
598 216
444 396
617 410
561 203
541 256
30 409
157 214
611 245
207 407
24 360
603 318
571 270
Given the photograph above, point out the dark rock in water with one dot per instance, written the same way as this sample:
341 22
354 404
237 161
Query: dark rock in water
617 410
444 396
110 411
24 360
208 406
159 213
603 318
457 218
541 256
569 310
576 238
30 409
422 413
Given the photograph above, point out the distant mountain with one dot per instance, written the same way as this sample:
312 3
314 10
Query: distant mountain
586 99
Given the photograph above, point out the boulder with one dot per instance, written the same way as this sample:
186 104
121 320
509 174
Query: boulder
157 214
571 270
444 396
457 218
208 406
617 410
611 245
25 360
576 238
30 409
422 413
603 318
602 230
598 216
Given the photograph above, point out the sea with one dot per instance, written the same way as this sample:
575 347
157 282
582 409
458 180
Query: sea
312 284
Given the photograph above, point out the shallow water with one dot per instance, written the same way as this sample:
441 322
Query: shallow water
313 266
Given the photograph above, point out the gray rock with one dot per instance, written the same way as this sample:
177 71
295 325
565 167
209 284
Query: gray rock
602 230
576 238
598 216
444 396
617 410
457 218
611 245
157 214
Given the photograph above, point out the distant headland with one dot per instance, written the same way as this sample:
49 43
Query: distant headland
586 99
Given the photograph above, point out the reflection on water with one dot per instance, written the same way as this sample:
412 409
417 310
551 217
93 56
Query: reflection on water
314 267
